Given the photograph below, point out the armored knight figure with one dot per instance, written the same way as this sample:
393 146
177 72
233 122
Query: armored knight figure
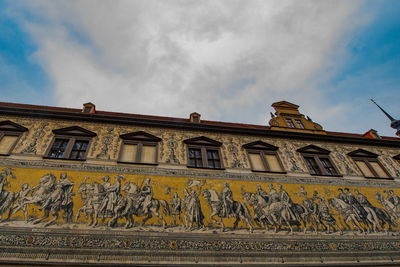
287 201
227 200
272 194
62 192
146 196
176 207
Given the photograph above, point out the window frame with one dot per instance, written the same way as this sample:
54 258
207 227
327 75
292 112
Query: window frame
262 148
367 157
72 134
139 139
299 124
317 154
9 128
291 123
204 144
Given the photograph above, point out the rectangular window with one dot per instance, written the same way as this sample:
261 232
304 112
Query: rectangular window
326 163
58 148
313 166
213 159
138 152
79 149
290 123
299 124
371 168
264 161
257 162
195 158
6 143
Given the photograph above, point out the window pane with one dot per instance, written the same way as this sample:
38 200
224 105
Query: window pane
312 165
378 169
328 166
128 153
79 149
364 168
6 143
299 124
213 159
273 163
290 123
148 154
58 148
256 162
195 157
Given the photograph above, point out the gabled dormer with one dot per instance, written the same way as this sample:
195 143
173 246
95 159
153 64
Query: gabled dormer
260 145
312 149
12 127
74 131
204 152
139 148
10 132
203 141
361 153
288 118
140 136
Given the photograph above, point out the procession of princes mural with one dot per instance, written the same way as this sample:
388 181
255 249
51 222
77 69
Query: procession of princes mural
119 202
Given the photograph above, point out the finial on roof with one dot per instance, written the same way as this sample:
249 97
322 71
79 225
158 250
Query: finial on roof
395 124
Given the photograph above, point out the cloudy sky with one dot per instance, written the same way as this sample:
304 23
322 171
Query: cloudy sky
228 60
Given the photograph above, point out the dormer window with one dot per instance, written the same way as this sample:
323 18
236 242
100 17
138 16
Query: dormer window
369 164
70 143
204 152
89 108
397 158
317 161
290 123
195 117
263 157
139 148
10 133
299 124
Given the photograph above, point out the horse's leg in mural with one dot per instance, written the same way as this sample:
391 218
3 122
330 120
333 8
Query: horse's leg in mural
90 219
46 215
213 213
78 213
55 214
222 223
244 215
354 222
154 209
149 216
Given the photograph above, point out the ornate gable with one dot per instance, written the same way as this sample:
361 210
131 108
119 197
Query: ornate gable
140 136
260 145
12 126
203 141
74 131
285 105
312 149
361 153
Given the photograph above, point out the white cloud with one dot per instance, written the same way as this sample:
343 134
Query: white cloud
228 60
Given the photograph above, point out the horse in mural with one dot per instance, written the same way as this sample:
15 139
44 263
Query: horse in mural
240 210
6 197
347 213
274 214
52 197
132 205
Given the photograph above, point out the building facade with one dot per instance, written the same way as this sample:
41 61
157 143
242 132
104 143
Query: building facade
81 186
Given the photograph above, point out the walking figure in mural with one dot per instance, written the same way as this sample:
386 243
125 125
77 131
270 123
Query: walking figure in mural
139 202
86 191
239 210
52 197
6 197
176 207
191 204
378 217
324 216
227 201
20 198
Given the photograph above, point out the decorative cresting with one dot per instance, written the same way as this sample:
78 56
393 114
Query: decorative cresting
369 164
10 132
204 152
288 118
139 148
